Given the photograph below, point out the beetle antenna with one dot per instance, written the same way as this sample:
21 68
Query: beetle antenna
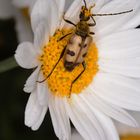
110 14
85 3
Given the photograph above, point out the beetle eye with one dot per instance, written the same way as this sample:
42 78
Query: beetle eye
81 15
83 7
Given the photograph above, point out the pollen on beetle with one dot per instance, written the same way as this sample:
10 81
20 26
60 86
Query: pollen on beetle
59 82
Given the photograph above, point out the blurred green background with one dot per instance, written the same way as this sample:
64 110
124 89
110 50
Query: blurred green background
12 98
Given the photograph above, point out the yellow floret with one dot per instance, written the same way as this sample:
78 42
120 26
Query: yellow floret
60 80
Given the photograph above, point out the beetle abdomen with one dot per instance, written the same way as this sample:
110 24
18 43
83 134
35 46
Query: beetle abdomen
84 48
76 51
72 51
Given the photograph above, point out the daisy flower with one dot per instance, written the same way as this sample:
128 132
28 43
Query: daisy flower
105 90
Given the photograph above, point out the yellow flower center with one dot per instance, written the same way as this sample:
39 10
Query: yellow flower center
130 137
60 80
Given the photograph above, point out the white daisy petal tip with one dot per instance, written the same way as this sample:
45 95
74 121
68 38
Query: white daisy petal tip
33 110
36 124
131 122
27 89
40 120
60 118
112 111
76 136
26 55
34 128
135 124
31 82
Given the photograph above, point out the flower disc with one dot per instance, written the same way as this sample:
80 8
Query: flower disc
60 80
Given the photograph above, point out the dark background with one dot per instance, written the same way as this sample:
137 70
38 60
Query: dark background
12 98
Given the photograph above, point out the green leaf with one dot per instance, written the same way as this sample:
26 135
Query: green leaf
8 64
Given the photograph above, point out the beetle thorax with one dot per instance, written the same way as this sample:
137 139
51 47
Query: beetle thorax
82 29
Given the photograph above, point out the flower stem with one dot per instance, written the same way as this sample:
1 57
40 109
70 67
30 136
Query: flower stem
8 64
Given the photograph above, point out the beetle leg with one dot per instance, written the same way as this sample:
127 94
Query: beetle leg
68 21
94 22
91 24
92 33
62 53
64 36
42 81
84 67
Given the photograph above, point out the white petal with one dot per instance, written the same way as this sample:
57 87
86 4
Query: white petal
41 35
42 91
108 126
117 41
124 130
75 6
60 6
33 110
26 55
55 120
127 67
60 118
99 5
68 4
76 136
109 24
117 90
102 123
54 17
73 16
40 13
45 11
120 45
110 110
135 20
23 28
84 120
32 81
40 119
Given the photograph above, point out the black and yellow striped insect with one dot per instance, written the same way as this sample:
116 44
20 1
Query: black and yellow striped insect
76 50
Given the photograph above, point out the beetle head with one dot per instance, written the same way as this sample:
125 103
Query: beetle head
85 12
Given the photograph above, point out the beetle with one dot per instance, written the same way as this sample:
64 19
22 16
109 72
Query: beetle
79 42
